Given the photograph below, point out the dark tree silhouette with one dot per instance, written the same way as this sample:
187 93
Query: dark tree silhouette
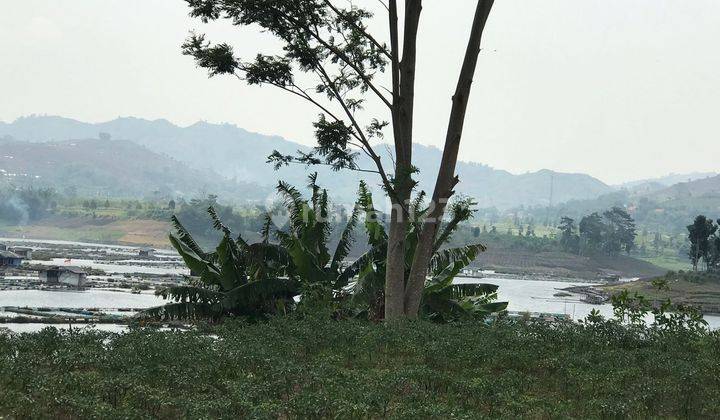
569 240
620 231
591 231
699 235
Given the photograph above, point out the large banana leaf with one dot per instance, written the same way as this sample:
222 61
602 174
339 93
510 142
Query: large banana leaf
184 311
460 211
184 236
447 257
373 257
305 262
460 291
346 239
377 237
293 202
190 294
232 268
264 260
489 307
256 293
196 263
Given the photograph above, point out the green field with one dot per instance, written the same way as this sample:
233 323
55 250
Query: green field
668 262
98 230
351 369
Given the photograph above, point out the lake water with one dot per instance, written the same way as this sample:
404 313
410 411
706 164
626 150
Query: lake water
523 295
92 298
30 328
122 267
537 296
101 299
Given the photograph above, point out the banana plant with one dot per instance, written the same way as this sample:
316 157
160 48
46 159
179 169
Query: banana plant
306 240
442 300
237 279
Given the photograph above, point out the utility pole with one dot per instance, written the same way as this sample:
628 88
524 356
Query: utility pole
550 200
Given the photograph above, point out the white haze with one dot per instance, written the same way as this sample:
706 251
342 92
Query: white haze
619 89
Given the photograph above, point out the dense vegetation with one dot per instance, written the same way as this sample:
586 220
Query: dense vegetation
612 232
301 271
704 243
352 369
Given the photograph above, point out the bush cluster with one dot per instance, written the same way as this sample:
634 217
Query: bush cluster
309 368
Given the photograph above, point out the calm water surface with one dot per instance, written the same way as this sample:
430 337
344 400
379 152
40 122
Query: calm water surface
78 299
522 295
537 296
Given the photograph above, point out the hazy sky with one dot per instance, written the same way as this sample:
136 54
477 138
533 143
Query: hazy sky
619 89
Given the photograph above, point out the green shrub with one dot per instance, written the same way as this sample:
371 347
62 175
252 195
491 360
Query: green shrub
316 368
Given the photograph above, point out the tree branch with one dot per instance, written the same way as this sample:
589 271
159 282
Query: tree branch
381 170
359 28
341 55
370 171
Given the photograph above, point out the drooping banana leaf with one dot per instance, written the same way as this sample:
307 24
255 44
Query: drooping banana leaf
189 294
185 237
256 293
460 291
184 311
203 268
232 268
438 307
293 202
460 211
446 257
217 223
489 307
377 237
346 239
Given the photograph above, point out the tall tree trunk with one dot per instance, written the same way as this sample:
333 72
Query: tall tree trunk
402 115
446 179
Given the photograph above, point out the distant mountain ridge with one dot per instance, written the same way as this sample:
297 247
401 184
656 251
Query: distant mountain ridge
93 167
240 155
698 188
670 179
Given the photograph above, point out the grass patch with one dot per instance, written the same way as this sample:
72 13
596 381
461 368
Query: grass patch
351 369
668 262
130 232
700 289
83 234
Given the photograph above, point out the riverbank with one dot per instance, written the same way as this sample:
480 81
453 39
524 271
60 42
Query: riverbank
680 289
500 256
351 369
133 232
560 265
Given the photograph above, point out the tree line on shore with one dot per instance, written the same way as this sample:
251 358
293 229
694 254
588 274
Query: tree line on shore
611 232
704 238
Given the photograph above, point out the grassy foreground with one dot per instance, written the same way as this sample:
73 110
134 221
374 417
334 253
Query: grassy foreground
352 369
